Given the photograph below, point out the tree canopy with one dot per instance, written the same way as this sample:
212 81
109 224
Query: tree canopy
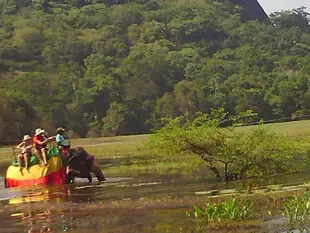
106 67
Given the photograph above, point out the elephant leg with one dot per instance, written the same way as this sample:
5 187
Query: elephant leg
95 168
85 173
81 172
74 173
89 177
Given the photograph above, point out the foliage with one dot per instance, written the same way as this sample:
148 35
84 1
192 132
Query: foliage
226 151
223 211
82 63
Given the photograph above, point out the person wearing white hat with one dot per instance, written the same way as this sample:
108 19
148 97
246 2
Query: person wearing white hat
40 143
60 139
26 151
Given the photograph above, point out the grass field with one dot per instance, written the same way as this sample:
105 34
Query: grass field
130 146
300 129
109 147
112 147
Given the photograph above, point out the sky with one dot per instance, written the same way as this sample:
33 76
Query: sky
278 5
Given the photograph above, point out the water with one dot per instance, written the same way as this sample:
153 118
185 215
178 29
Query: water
119 205
142 203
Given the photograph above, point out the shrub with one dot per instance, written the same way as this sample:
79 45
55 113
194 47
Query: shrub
252 152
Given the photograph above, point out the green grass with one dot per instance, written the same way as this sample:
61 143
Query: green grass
112 147
130 158
136 159
6 154
109 147
299 129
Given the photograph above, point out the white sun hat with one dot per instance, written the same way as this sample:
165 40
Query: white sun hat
39 131
26 137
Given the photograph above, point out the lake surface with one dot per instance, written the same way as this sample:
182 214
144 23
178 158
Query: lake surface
142 203
119 205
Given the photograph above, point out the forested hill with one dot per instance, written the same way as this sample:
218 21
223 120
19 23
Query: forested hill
118 67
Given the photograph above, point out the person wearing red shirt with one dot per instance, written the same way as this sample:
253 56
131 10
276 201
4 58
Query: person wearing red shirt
40 142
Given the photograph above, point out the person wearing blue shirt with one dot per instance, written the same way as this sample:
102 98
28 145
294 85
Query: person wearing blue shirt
61 141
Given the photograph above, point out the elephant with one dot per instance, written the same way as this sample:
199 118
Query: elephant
81 164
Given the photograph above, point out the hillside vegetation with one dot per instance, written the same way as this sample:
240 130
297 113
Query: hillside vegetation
107 67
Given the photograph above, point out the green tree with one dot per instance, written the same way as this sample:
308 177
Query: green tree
226 151
70 60
118 119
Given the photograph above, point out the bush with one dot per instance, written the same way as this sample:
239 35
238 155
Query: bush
252 152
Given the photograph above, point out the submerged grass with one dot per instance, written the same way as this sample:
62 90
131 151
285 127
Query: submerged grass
255 210
222 212
297 211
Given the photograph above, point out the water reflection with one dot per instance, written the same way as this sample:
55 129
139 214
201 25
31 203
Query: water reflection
43 221
29 220
41 193
43 209
116 206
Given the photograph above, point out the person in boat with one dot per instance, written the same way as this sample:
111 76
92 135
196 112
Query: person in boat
62 143
79 162
40 142
26 151
45 135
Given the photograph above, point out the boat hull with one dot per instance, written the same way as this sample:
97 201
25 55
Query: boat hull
53 173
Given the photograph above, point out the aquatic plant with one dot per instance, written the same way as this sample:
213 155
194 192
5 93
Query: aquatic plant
222 212
297 209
